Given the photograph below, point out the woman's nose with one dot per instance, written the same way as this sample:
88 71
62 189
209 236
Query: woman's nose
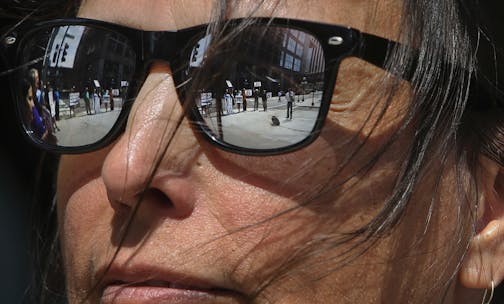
155 153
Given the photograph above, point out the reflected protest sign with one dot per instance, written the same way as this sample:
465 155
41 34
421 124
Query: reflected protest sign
206 98
63 46
74 98
198 52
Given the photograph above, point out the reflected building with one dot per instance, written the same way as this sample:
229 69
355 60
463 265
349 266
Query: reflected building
301 53
280 58
302 56
76 56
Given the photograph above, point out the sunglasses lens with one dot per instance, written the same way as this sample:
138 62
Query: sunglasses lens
72 83
259 89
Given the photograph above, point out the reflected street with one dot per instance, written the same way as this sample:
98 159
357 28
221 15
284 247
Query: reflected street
85 128
256 129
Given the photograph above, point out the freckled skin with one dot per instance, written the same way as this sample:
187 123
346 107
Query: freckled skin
192 222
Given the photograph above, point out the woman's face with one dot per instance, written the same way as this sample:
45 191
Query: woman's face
216 227
29 105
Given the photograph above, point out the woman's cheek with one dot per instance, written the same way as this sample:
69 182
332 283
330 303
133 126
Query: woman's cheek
74 171
82 206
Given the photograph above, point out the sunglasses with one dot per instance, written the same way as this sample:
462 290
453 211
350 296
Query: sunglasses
260 86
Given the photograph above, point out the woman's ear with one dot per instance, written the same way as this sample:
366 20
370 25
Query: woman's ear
484 261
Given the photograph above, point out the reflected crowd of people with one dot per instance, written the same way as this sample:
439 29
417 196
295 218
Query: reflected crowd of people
44 105
235 101
41 110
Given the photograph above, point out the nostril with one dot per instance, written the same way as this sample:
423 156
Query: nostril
169 198
153 196
170 202
159 198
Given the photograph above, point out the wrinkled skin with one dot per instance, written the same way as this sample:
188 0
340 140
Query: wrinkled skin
188 226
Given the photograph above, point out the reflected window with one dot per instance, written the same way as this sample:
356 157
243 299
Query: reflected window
292 45
299 50
289 61
301 37
297 65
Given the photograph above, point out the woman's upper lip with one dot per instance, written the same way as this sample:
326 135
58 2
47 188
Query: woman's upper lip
144 283
149 275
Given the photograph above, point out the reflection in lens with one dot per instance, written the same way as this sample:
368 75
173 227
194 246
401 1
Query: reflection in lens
78 78
269 95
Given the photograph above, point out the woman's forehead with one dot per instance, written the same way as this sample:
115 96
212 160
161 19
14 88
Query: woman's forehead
379 17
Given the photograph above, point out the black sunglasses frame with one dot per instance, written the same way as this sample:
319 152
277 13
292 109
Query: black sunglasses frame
337 42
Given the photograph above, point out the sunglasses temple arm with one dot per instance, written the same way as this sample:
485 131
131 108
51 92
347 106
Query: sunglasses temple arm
377 51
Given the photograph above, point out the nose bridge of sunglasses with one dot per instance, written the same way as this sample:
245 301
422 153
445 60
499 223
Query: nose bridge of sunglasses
171 47
158 46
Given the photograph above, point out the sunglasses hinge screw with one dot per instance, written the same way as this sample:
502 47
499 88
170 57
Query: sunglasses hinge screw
336 40
10 40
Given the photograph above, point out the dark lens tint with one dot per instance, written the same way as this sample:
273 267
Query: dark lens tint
259 89
73 83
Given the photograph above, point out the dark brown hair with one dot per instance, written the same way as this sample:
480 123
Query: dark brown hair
456 108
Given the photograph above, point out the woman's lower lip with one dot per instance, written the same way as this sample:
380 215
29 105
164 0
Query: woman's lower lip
124 294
